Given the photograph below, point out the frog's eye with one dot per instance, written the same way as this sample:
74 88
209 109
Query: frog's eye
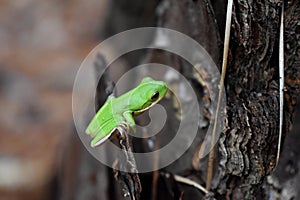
155 96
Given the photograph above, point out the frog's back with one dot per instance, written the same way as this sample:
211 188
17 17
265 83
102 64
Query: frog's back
103 124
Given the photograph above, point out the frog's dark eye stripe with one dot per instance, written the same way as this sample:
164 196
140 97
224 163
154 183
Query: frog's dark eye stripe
155 96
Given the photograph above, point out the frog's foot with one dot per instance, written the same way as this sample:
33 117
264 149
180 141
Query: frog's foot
122 130
130 123
133 128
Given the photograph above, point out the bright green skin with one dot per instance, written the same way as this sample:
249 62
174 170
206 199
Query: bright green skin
117 112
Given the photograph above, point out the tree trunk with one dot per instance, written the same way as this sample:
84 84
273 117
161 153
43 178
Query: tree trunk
247 148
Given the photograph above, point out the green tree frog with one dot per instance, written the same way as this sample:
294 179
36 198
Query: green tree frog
118 111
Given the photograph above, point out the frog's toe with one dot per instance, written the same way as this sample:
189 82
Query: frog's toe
133 128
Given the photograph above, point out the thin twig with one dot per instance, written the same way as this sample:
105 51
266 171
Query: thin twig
281 82
155 173
224 66
129 180
189 182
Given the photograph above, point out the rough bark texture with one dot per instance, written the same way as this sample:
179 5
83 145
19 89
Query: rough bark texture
247 149
249 145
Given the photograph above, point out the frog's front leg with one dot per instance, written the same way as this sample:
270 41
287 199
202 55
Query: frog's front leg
129 119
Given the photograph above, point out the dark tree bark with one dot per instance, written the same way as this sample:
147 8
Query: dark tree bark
247 149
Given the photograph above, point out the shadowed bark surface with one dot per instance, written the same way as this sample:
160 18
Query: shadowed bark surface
247 148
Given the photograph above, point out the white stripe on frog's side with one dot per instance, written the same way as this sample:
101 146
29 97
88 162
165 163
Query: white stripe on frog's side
123 127
103 139
153 103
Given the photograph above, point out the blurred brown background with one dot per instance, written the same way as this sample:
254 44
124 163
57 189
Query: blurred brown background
42 46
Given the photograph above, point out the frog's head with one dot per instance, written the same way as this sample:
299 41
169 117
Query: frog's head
147 94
